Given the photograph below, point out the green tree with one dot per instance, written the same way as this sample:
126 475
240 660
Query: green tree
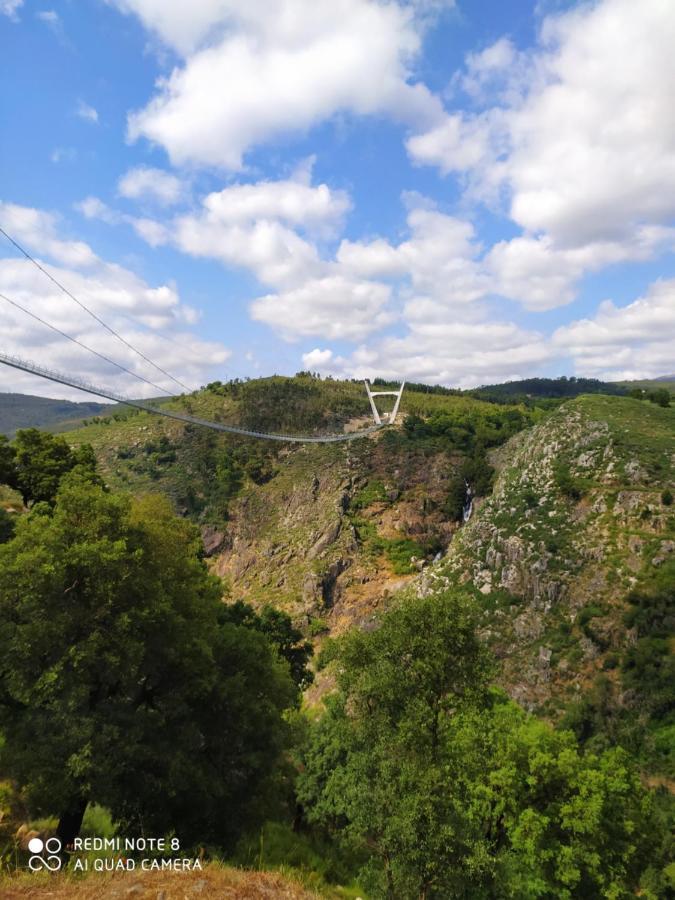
6 526
279 630
453 790
119 684
660 396
7 462
375 770
40 462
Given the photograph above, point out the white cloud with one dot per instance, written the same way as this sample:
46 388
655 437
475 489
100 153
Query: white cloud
61 154
271 68
489 64
86 112
50 17
294 202
186 27
276 254
37 229
9 8
151 231
634 341
333 307
586 143
578 136
156 184
540 276
462 354
594 148
111 291
94 208
455 144
249 225
439 258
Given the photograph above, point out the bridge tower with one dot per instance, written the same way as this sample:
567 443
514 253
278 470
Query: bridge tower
390 417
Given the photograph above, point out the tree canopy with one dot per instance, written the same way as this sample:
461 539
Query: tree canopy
37 461
279 630
119 682
453 791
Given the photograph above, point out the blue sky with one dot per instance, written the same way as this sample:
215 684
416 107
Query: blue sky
454 192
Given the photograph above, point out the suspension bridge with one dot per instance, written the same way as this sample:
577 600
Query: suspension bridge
380 419
72 381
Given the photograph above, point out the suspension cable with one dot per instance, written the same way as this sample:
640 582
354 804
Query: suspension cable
91 313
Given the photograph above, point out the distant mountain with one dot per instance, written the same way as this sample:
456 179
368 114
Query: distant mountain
549 388
25 411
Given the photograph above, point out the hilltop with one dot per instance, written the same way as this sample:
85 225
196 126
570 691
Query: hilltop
25 411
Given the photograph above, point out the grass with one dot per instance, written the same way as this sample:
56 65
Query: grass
214 881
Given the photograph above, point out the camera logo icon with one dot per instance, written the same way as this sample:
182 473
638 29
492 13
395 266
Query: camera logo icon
44 854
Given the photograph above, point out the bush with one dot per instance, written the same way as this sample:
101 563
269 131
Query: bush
567 485
667 498
661 397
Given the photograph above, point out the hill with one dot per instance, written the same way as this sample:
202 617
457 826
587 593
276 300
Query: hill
579 533
25 411
331 532
557 518
531 390
576 523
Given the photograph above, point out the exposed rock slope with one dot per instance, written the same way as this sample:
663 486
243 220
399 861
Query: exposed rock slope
576 519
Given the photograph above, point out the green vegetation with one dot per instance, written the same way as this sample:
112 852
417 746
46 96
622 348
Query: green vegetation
480 426
23 411
401 552
450 789
570 487
277 627
134 680
36 461
120 683
660 395
533 390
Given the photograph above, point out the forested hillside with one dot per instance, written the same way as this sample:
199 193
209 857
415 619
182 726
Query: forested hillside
23 411
439 657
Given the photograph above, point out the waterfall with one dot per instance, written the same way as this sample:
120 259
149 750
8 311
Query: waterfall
467 509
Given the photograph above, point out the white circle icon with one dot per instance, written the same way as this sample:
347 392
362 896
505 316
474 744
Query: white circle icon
35 845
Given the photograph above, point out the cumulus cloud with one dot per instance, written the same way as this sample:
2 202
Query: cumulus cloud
333 307
38 230
634 341
463 354
86 112
256 226
133 307
259 70
151 231
456 144
439 258
539 275
144 182
296 203
578 135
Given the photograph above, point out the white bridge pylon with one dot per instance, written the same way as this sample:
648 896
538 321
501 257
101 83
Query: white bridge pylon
390 417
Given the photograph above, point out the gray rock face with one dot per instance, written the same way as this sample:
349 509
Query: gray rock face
329 537
213 540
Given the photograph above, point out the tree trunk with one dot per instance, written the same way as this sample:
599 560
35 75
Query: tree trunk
69 825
